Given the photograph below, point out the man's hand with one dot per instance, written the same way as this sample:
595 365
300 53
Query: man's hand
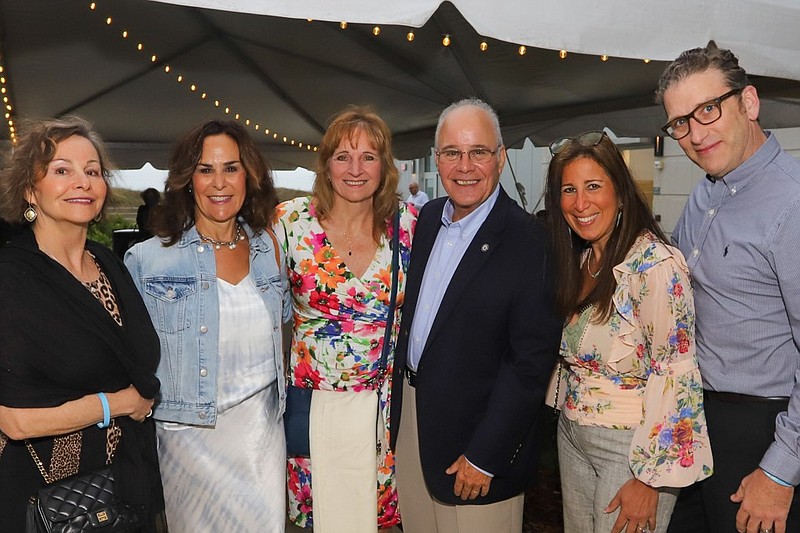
638 503
470 482
764 504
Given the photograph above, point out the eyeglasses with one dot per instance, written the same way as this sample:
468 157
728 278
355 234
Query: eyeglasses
476 155
705 114
588 139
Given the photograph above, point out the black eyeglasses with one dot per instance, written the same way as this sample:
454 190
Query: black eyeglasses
705 114
588 139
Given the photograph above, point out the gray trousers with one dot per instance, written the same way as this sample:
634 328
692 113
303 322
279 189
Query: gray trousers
593 462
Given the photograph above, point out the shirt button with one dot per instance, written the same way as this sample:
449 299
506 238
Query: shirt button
205 285
170 294
695 252
200 249
711 212
733 190
203 329
202 416
203 372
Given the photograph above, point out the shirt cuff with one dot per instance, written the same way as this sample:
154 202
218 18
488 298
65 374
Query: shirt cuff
776 480
781 464
479 469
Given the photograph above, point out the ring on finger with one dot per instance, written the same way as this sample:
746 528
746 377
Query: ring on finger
766 530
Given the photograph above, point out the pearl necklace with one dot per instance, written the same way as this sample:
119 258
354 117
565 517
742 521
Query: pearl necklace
589 270
219 244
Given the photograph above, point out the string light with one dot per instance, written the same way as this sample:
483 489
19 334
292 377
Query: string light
343 25
12 132
604 57
179 79
410 36
376 31
484 46
646 61
522 50
446 40
562 54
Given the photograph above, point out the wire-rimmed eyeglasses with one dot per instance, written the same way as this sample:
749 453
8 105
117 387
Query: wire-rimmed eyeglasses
476 155
587 139
705 114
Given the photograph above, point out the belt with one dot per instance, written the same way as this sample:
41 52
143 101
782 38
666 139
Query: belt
735 397
411 377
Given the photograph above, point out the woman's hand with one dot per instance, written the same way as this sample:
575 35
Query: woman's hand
129 402
637 505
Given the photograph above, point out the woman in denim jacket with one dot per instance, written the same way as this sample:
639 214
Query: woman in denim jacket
213 283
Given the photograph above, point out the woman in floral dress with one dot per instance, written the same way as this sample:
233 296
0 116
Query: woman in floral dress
632 428
339 258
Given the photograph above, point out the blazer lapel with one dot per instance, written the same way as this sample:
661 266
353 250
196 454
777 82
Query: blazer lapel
482 247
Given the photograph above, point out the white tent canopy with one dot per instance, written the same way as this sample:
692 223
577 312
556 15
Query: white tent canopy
764 33
262 62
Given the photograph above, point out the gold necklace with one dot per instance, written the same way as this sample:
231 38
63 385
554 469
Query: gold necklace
588 269
349 243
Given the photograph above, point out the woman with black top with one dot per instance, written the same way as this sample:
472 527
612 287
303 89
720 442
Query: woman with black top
77 349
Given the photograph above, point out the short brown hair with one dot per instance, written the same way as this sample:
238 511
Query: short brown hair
347 124
700 60
175 213
34 151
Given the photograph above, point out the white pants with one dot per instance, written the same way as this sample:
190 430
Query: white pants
344 470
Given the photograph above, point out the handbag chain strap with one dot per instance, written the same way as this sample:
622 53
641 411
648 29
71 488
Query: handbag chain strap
113 436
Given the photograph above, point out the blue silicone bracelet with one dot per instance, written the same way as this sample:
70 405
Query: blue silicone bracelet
776 479
106 411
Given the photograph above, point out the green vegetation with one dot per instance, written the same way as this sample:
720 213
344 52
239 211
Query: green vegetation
121 213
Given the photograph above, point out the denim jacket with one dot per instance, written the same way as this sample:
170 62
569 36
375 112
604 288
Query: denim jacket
178 284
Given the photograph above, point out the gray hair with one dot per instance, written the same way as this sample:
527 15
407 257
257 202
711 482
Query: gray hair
470 102
699 60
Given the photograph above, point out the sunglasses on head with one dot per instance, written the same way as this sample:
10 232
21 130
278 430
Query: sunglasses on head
588 139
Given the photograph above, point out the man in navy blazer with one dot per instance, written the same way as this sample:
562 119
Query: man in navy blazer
477 345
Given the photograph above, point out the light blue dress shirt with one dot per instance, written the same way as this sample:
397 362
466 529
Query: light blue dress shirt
448 249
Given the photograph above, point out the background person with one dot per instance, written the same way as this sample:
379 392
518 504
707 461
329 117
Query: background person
72 328
417 197
339 257
213 285
632 424
477 342
739 231
150 197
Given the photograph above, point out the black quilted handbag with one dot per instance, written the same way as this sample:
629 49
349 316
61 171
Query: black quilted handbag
84 502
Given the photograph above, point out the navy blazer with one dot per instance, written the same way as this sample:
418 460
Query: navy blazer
484 370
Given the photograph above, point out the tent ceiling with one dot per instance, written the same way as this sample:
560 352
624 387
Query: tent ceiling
290 75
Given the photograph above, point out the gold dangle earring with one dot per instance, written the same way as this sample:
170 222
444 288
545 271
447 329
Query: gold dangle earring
30 213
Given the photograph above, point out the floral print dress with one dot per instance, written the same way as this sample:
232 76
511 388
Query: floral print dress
339 323
639 370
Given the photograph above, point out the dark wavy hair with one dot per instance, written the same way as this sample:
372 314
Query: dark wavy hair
700 60
347 124
35 149
568 247
175 214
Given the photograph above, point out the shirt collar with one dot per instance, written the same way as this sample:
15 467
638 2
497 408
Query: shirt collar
744 173
474 220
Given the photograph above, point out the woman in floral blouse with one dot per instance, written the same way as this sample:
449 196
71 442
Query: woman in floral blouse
338 247
632 428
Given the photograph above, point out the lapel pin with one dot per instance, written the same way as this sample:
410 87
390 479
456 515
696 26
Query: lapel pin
484 247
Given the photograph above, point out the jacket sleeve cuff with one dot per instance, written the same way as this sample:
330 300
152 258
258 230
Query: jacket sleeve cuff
479 469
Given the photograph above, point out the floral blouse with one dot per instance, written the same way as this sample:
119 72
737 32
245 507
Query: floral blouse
639 370
339 324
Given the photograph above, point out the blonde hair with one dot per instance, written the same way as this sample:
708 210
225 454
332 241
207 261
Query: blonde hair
346 125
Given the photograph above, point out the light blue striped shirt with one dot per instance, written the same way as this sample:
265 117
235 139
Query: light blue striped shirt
452 241
741 239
